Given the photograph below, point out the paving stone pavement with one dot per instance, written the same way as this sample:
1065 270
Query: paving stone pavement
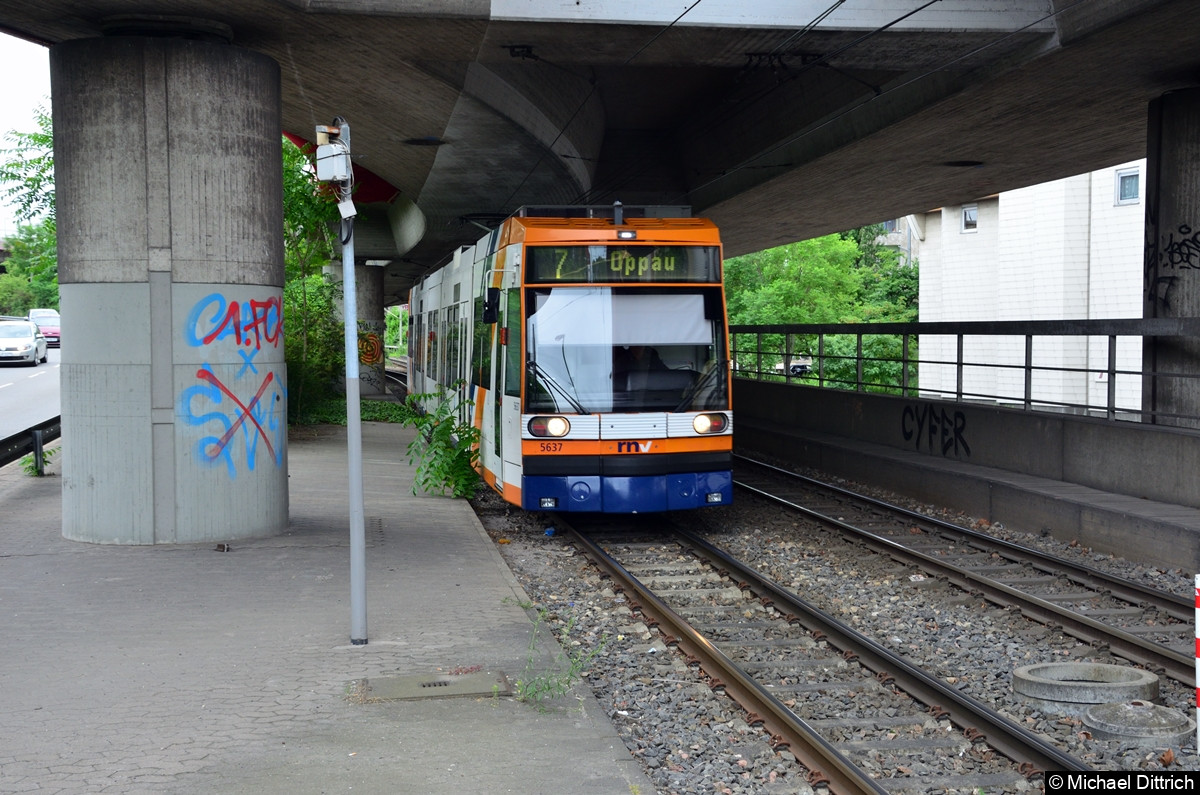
182 668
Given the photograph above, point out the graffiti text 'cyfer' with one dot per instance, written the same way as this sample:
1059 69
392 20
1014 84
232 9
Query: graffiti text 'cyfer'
940 430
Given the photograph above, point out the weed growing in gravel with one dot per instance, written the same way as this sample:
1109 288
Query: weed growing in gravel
538 686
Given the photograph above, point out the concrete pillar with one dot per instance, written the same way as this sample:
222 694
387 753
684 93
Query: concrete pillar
170 256
368 281
1172 264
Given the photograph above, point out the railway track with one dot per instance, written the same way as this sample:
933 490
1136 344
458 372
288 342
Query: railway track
868 711
397 378
1140 624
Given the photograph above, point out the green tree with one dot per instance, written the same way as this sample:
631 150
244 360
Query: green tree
395 334
844 278
889 284
314 347
28 169
812 281
30 277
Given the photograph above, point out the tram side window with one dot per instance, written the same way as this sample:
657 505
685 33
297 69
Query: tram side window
481 366
417 345
512 350
453 341
435 349
414 334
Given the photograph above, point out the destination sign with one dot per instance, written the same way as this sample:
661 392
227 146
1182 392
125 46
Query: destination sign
598 264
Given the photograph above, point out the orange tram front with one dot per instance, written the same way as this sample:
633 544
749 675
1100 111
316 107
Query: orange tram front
596 362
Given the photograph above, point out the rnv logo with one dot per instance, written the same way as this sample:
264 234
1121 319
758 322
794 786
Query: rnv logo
633 447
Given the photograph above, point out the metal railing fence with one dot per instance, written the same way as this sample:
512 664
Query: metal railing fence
1091 367
30 441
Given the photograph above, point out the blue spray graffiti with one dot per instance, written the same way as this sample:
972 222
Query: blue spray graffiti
252 325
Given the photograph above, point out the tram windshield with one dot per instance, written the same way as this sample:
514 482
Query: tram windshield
612 349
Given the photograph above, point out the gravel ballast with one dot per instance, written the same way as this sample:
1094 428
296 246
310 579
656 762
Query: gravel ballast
694 740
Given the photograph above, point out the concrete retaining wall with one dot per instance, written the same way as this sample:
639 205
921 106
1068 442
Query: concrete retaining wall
1137 460
1116 488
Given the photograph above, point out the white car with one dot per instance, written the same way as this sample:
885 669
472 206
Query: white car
22 341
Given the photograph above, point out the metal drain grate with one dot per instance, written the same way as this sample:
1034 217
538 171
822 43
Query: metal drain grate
401 688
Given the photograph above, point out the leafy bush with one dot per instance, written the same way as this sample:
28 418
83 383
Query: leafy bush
445 450
314 346
332 411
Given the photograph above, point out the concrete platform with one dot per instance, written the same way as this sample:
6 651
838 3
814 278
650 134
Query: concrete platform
189 669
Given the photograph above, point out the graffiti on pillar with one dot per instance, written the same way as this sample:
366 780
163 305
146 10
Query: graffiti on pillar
370 348
1181 252
371 354
244 415
252 324
938 431
1178 250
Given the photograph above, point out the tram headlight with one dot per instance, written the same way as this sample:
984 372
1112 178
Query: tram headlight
710 423
549 426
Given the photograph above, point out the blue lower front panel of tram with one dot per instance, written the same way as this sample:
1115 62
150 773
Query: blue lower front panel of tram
633 494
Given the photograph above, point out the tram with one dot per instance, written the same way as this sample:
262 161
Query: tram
589 346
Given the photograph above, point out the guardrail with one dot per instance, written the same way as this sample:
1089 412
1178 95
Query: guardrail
30 440
1090 367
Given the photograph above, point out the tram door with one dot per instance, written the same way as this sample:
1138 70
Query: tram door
508 409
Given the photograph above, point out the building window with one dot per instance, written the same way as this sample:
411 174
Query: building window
889 226
970 217
1129 186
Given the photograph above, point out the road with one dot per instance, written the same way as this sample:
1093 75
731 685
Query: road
28 395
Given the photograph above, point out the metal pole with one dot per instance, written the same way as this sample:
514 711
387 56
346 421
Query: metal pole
39 454
358 542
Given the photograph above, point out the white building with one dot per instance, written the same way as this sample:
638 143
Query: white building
1063 250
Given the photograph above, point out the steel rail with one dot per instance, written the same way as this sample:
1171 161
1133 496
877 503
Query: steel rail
1157 657
1003 734
825 763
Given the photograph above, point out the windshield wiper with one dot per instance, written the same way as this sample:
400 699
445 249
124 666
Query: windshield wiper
557 387
701 382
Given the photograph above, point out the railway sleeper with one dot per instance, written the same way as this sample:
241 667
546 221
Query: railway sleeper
670 582
858 685
728 596
1026 582
879 722
941 782
1113 612
947 742
1161 629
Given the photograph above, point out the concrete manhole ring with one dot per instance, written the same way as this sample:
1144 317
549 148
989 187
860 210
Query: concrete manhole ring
1140 723
1073 686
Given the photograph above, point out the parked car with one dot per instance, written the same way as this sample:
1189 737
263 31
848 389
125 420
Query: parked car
22 341
47 320
801 365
